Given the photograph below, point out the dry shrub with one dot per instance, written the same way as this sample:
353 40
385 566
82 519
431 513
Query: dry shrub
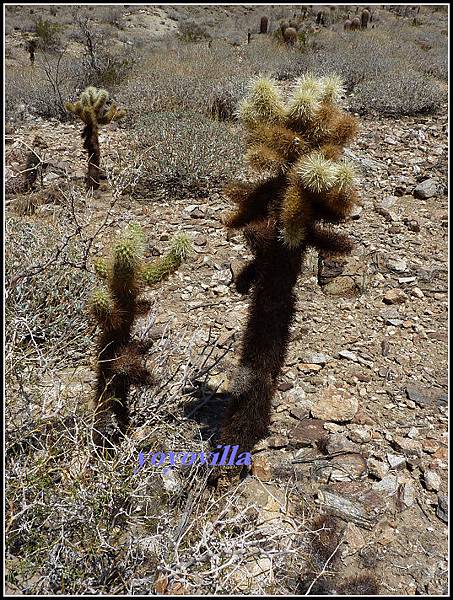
186 152
398 93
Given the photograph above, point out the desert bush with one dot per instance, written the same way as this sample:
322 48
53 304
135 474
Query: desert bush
43 312
398 93
187 152
48 34
190 31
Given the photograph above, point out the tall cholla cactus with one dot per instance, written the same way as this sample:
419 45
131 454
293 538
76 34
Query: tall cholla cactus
94 109
115 306
304 188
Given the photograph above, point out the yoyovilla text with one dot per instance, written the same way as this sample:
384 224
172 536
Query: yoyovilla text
225 456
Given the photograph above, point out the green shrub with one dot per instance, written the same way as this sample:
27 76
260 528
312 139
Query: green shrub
48 34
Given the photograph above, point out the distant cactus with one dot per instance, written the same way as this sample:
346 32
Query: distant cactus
264 23
115 306
294 24
290 36
283 25
347 25
355 24
34 163
31 46
364 18
92 108
305 186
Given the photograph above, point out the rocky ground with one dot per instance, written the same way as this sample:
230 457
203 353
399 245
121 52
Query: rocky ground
360 419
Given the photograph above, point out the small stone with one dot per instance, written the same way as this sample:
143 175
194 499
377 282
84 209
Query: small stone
432 481
349 355
377 468
442 508
409 447
196 213
426 189
412 433
407 494
309 368
309 432
354 537
394 296
420 395
417 292
317 359
356 212
349 467
396 462
261 468
338 442
359 434
335 404
399 265
388 485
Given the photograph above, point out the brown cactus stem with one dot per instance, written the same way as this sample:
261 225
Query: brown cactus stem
112 388
264 347
90 136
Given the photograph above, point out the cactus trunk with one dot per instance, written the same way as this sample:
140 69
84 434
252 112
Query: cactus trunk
90 136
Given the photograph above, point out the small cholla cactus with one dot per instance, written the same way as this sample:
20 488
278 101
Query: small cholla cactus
356 24
115 306
34 163
264 23
364 18
305 187
283 26
347 25
290 36
94 109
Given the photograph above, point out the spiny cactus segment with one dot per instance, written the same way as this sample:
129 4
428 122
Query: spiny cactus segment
116 306
302 139
163 267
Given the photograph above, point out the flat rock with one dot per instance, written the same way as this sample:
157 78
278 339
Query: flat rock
432 481
308 433
418 394
335 404
354 502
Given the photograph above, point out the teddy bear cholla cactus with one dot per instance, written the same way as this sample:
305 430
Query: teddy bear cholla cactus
116 307
94 110
304 187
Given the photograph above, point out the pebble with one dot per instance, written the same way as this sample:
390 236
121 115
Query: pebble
395 296
432 481
426 189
